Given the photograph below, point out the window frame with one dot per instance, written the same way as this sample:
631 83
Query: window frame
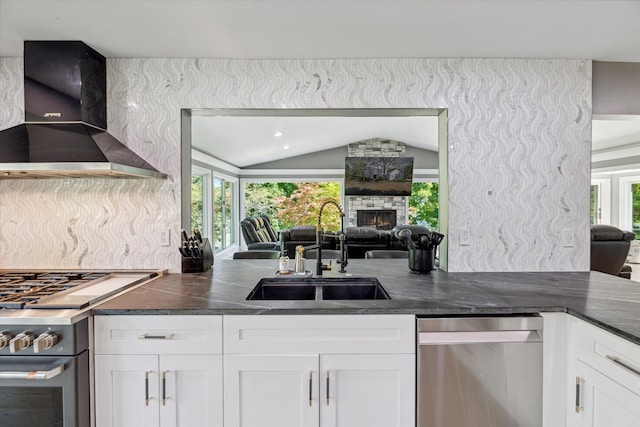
206 199
626 202
603 186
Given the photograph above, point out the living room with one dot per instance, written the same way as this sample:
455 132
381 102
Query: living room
306 154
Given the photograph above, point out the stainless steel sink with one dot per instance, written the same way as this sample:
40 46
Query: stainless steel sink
319 288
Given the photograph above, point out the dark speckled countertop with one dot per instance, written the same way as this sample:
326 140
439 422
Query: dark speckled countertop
604 300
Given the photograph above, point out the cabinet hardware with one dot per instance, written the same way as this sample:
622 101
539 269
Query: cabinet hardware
617 361
579 384
156 337
164 388
327 388
310 388
146 388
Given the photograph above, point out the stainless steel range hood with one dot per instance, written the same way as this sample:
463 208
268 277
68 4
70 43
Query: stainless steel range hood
64 134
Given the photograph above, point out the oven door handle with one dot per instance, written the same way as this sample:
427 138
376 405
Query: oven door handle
32 375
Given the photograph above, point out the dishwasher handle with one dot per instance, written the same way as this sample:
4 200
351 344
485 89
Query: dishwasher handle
478 337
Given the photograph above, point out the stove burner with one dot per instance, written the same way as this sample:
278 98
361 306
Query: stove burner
20 288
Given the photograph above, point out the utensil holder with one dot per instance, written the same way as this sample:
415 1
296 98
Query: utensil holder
199 264
421 260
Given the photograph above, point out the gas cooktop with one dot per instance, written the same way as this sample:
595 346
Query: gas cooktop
63 289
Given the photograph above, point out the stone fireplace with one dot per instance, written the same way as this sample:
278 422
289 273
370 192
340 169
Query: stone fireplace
377 147
379 219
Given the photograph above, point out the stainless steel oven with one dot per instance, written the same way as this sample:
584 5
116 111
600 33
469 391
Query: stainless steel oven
44 343
44 383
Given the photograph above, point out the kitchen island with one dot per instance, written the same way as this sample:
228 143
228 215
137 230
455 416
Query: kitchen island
230 346
607 301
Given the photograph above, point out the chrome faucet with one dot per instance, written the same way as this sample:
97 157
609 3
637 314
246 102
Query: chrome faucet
342 260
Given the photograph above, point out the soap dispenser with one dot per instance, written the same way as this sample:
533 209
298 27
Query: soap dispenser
299 261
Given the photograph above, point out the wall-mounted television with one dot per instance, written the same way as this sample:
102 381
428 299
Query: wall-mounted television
378 176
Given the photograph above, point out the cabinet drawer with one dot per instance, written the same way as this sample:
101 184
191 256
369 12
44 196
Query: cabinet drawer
615 357
315 334
158 334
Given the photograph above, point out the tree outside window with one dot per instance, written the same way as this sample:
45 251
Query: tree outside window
290 204
635 214
423 204
196 202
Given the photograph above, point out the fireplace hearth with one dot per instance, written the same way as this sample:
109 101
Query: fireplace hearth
380 219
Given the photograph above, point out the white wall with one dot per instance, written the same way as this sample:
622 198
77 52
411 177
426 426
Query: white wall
518 153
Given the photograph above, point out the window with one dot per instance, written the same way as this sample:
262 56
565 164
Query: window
223 210
292 203
595 205
213 208
198 201
423 204
635 209
600 211
630 204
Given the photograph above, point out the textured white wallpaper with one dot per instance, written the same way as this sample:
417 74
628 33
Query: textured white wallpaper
519 154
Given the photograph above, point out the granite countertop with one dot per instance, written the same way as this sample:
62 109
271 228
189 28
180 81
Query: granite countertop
604 300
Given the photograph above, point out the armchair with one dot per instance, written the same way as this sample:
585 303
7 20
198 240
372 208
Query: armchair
609 249
259 234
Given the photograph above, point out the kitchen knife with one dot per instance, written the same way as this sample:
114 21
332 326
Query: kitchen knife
183 252
187 250
185 238
197 235
196 251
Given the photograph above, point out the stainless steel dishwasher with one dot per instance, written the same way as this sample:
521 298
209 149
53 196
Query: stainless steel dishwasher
480 372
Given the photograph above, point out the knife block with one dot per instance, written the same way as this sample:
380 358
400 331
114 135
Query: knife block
201 264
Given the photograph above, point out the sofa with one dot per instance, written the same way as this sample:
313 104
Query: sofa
259 234
304 235
359 240
609 250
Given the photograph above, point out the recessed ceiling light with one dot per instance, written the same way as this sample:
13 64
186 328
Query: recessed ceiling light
285 147
277 134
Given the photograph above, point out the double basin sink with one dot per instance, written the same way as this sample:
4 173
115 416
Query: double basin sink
319 288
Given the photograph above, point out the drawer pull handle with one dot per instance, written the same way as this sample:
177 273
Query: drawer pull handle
156 337
327 385
579 384
164 388
146 388
616 360
310 388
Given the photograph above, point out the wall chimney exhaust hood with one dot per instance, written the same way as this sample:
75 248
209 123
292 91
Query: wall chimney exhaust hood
65 129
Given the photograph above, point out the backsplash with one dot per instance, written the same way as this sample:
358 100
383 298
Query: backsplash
518 151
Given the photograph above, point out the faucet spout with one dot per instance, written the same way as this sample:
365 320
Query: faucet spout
342 260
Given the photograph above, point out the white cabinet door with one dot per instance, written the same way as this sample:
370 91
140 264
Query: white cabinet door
126 391
191 390
605 403
271 391
367 390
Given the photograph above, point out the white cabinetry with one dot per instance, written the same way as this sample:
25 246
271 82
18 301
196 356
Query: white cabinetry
158 371
268 390
367 390
300 371
604 373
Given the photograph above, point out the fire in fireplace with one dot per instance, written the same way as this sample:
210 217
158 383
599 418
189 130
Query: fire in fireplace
380 219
